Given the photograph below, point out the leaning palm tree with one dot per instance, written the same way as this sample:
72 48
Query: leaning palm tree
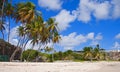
36 31
88 51
97 53
24 12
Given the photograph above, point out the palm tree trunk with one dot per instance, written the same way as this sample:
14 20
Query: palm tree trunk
2 34
2 19
25 44
3 50
39 47
39 50
9 30
13 54
30 53
23 49
53 53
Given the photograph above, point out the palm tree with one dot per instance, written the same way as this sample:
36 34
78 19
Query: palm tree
25 12
53 30
2 28
36 32
97 53
9 10
2 4
48 49
88 51
21 32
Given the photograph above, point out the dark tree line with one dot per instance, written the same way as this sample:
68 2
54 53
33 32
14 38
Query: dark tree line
6 49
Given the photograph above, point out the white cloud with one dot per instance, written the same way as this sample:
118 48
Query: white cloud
83 11
88 8
13 36
96 39
116 45
50 4
64 18
72 40
116 8
99 36
100 10
90 35
117 36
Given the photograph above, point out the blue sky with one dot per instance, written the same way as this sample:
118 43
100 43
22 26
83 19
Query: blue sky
81 22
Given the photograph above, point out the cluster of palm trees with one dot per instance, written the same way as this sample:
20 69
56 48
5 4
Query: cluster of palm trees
96 53
33 27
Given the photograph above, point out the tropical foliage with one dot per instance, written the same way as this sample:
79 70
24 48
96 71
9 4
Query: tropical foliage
33 27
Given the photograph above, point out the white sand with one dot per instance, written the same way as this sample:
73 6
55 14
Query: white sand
60 67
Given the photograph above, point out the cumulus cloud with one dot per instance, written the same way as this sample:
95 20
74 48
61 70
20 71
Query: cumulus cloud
64 18
87 8
116 8
14 35
72 40
117 36
90 35
50 4
96 39
100 10
116 45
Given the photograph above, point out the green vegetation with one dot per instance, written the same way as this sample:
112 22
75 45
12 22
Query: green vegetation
33 27
87 54
6 50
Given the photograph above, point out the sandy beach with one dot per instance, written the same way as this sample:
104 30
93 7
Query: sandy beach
60 67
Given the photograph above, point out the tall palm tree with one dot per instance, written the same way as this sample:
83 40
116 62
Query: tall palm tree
2 15
36 31
2 5
24 12
53 30
9 10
